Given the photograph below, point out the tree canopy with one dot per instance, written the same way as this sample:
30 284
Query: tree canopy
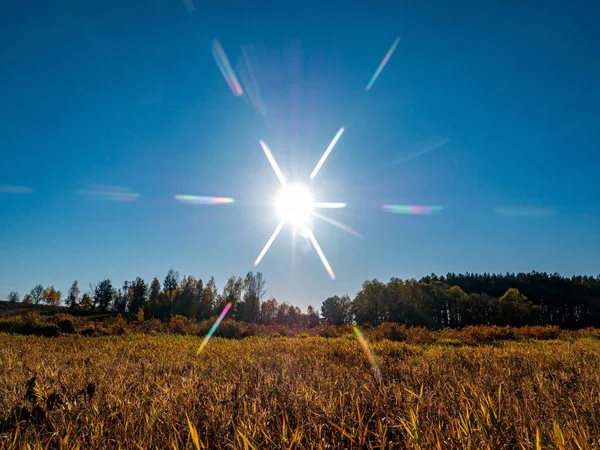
433 301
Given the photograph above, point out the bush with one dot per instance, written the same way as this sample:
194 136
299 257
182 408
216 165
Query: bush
420 335
389 330
182 325
46 330
487 333
116 326
330 331
65 323
230 329
538 332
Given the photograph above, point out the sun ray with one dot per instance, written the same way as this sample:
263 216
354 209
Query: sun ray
273 163
337 224
312 238
327 205
326 154
269 242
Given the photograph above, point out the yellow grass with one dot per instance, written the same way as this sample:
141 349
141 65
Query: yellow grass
155 392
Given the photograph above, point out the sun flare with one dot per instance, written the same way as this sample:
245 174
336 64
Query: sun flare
295 205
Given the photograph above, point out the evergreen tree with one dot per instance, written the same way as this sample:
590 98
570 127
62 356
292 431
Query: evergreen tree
104 294
138 295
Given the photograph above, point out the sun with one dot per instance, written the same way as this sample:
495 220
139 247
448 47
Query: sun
295 205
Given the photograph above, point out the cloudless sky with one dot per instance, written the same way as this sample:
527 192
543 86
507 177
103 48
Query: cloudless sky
128 94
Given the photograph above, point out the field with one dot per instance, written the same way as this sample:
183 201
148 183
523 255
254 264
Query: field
143 391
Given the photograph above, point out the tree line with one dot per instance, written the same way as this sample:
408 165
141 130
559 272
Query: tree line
454 301
187 296
450 301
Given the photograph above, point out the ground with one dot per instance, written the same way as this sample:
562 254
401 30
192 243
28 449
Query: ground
141 391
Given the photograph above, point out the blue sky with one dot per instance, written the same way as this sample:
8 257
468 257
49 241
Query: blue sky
128 94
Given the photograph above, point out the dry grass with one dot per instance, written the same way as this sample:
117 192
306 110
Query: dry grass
155 392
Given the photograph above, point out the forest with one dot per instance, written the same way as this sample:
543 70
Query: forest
436 302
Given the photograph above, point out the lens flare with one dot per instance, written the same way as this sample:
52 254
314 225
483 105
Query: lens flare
201 200
214 328
415 210
249 83
327 152
370 355
426 148
524 211
296 206
337 224
8 189
189 5
225 68
110 193
383 63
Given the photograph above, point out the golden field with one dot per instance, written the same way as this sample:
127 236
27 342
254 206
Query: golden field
154 391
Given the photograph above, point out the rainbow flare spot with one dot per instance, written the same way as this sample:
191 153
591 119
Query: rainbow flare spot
214 327
201 200
226 69
370 355
415 210
383 63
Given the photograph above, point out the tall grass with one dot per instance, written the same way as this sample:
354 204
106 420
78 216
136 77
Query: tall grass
155 392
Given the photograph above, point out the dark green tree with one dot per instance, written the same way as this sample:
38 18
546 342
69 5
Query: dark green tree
337 310
171 282
255 289
104 295
153 305
138 295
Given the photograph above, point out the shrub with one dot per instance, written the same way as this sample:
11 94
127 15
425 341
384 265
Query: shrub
182 325
46 330
66 326
116 326
487 333
230 329
66 323
330 331
420 335
389 330
538 332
